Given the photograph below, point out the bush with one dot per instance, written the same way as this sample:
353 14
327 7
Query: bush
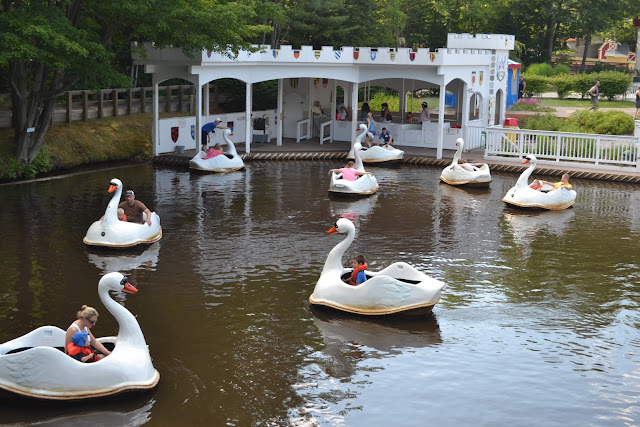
11 168
613 83
583 82
543 69
536 84
563 84
561 69
542 122
530 104
583 121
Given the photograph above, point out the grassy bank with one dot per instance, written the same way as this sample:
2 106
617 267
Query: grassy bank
68 145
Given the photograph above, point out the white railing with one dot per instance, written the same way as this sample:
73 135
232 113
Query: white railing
330 136
589 150
306 134
475 137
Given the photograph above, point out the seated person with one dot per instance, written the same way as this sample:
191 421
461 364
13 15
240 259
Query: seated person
342 115
121 215
471 167
385 114
410 117
134 209
216 150
563 183
368 140
349 172
79 348
357 275
386 136
535 185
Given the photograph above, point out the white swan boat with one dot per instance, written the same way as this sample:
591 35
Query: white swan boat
35 364
376 153
365 184
228 162
523 196
112 232
399 288
457 174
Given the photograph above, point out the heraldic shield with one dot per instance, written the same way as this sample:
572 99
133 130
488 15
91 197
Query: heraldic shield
175 133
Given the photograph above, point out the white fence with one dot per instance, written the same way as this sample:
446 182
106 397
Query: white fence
585 150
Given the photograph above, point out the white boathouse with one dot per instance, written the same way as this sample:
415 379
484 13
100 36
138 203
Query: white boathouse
470 73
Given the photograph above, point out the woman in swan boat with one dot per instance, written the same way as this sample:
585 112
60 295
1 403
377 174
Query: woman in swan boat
228 161
397 289
35 364
375 154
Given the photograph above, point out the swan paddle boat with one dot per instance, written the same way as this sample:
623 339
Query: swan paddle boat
523 196
376 153
397 289
112 232
458 174
364 185
228 162
36 365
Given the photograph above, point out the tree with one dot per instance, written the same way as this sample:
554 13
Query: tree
48 46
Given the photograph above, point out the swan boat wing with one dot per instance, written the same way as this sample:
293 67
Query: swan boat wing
378 154
228 162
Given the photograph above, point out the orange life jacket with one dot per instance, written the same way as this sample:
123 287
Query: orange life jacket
73 349
354 274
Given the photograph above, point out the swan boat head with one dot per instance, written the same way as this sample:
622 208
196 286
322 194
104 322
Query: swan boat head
358 140
397 289
34 365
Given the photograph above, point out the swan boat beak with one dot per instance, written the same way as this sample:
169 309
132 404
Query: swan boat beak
128 287
525 161
333 230
112 188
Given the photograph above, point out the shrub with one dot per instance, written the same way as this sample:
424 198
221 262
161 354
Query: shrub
613 83
542 122
563 84
561 69
536 84
543 69
583 82
11 168
529 104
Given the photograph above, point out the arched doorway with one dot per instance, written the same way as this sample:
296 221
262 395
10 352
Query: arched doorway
497 118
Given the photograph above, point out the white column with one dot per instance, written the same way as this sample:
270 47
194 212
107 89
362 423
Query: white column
465 111
403 100
206 103
441 122
333 102
637 70
198 112
247 125
354 109
156 120
280 114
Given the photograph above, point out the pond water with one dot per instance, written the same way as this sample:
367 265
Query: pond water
539 323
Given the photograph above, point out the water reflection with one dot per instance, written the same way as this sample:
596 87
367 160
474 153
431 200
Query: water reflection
348 338
127 410
526 226
126 261
355 209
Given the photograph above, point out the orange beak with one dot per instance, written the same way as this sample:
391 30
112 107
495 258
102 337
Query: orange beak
525 161
332 231
129 288
112 188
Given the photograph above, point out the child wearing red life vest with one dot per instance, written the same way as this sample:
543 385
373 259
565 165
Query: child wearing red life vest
79 349
357 275
536 185
121 215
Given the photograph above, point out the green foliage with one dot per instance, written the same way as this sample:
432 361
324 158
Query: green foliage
542 122
543 69
561 69
613 83
12 168
583 121
583 82
563 84
536 84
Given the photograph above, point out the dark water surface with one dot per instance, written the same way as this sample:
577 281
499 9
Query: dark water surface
539 324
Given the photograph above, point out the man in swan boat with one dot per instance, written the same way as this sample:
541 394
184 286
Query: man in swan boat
133 209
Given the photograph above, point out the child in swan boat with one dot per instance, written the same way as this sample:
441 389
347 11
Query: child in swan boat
535 185
216 150
79 349
471 167
563 183
121 215
349 172
357 275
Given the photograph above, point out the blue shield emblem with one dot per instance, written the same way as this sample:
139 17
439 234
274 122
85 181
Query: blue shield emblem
193 132
373 55
338 54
